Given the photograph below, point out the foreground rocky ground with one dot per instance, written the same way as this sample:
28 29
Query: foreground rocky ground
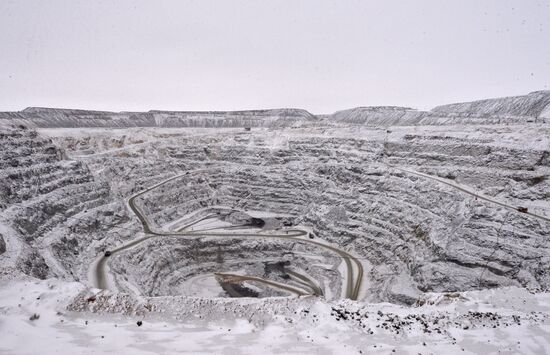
66 318
445 212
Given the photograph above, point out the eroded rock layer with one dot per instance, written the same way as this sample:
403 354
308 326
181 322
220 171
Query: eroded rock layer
424 208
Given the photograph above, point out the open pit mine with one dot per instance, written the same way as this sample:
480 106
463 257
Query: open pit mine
372 211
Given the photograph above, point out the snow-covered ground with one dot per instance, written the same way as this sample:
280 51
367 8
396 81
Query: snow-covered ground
501 321
436 222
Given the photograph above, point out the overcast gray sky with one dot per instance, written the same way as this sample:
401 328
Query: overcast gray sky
318 55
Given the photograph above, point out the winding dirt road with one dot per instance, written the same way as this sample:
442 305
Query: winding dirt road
239 278
354 279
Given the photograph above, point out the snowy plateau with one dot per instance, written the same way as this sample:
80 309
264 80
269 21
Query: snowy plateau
373 230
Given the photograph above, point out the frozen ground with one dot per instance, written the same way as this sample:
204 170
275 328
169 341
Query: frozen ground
509 321
373 230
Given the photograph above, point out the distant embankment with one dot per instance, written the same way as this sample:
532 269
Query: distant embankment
68 118
534 107
535 104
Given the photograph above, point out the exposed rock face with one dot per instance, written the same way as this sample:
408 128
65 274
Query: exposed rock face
350 185
42 194
418 234
165 267
42 189
34 265
2 245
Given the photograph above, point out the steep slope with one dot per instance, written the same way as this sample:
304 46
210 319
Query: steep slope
41 196
389 197
419 235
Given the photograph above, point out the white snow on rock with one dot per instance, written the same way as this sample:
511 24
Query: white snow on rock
372 230
506 321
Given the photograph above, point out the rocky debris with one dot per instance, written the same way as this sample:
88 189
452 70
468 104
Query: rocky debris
236 289
164 266
277 267
2 244
105 301
34 265
43 192
436 323
431 322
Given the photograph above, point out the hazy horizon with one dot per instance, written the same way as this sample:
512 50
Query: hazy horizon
321 56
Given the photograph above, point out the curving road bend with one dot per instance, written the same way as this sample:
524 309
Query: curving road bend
354 278
306 281
353 284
